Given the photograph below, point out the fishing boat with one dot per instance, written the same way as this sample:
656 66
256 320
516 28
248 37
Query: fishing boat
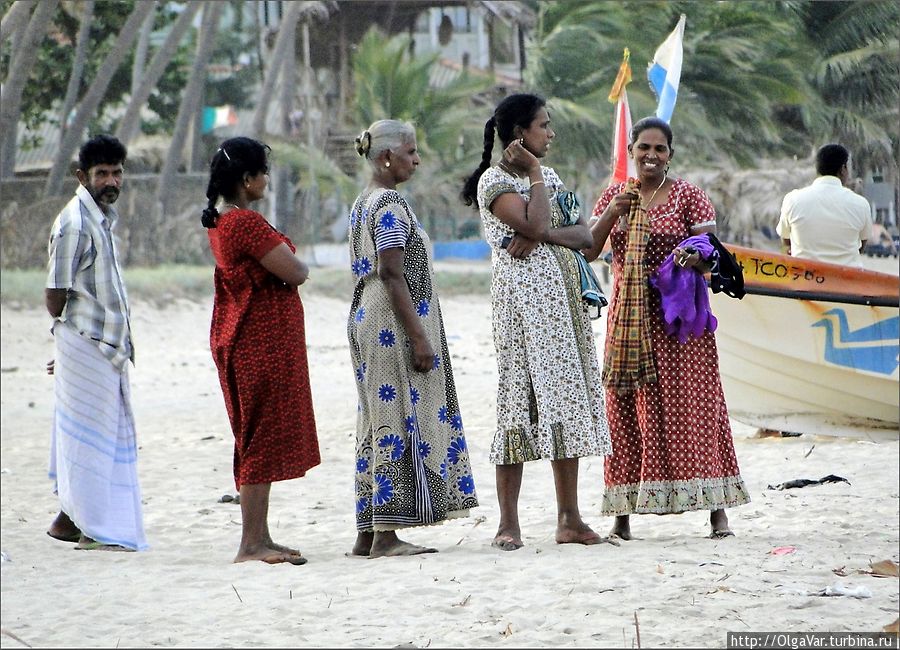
812 347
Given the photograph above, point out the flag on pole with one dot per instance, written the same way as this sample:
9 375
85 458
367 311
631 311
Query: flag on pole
216 116
664 72
622 165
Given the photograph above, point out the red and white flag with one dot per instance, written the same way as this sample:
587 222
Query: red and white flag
622 164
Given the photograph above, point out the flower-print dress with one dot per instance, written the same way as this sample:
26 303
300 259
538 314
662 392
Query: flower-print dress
672 444
412 462
549 397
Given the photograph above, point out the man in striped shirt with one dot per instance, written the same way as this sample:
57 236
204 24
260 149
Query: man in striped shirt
93 456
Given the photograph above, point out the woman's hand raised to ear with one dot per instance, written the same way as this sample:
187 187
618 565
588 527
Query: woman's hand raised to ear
518 157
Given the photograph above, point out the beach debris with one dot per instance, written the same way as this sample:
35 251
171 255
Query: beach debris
840 571
892 627
839 589
806 455
208 438
637 629
508 631
883 569
227 498
804 482
659 569
783 550
236 593
463 602
17 638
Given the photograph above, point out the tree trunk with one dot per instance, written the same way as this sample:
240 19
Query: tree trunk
94 95
281 174
21 63
276 58
140 52
84 34
16 16
190 101
129 125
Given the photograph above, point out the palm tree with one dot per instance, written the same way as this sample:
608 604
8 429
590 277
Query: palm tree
129 125
737 71
187 112
22 59
390 82
15 17
81 48
857 75
94 95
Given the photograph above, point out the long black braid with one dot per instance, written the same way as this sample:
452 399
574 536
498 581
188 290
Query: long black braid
520 110
234 159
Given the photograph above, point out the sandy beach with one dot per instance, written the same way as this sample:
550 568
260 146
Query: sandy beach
682 589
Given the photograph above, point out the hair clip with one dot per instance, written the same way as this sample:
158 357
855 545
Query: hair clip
226 154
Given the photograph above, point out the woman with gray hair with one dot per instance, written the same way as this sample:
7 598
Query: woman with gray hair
412 461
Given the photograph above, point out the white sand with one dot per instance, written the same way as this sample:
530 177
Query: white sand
685 590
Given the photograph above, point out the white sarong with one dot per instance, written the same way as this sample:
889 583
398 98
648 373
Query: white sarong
93 449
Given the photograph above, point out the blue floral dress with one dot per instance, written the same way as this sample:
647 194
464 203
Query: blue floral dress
412 462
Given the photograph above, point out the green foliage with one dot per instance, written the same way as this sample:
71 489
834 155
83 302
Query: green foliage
390 83
47 85
759 78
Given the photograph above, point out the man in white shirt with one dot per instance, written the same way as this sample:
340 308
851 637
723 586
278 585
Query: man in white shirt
93 451
826 221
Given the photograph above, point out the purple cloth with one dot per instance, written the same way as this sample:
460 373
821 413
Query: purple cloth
684 295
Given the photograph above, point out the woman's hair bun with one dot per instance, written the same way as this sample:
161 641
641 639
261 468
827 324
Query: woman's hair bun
363 143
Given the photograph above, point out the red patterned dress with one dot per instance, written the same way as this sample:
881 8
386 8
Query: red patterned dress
672 445
258 343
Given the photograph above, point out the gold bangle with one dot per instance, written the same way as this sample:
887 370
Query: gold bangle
533 183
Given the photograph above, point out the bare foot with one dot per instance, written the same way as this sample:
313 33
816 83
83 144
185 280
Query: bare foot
281 548
578 533
64 529
621 529
85 543
507 542
363 545
719 522
399 548
270 556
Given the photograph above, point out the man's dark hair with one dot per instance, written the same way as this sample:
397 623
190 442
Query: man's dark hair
101 150
830 159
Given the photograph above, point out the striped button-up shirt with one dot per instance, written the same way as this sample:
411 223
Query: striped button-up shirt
83 260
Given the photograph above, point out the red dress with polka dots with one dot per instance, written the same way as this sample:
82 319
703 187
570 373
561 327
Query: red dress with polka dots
258 343
672 445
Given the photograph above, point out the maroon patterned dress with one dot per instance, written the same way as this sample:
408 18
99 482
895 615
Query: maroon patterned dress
258 343
672 444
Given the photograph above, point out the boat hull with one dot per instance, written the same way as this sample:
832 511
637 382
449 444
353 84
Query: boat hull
816 356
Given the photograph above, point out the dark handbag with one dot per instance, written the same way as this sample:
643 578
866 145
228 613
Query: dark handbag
726 276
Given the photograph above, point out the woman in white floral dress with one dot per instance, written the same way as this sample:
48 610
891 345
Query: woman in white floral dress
550 399
412 462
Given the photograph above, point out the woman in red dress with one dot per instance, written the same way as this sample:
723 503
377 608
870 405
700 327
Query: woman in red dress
671 438
258 343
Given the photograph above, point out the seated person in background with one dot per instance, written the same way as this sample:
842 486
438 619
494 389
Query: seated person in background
826 221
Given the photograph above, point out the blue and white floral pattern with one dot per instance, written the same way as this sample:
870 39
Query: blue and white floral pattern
410 443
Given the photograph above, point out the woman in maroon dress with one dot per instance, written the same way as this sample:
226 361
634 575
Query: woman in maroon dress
671 439
258 343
